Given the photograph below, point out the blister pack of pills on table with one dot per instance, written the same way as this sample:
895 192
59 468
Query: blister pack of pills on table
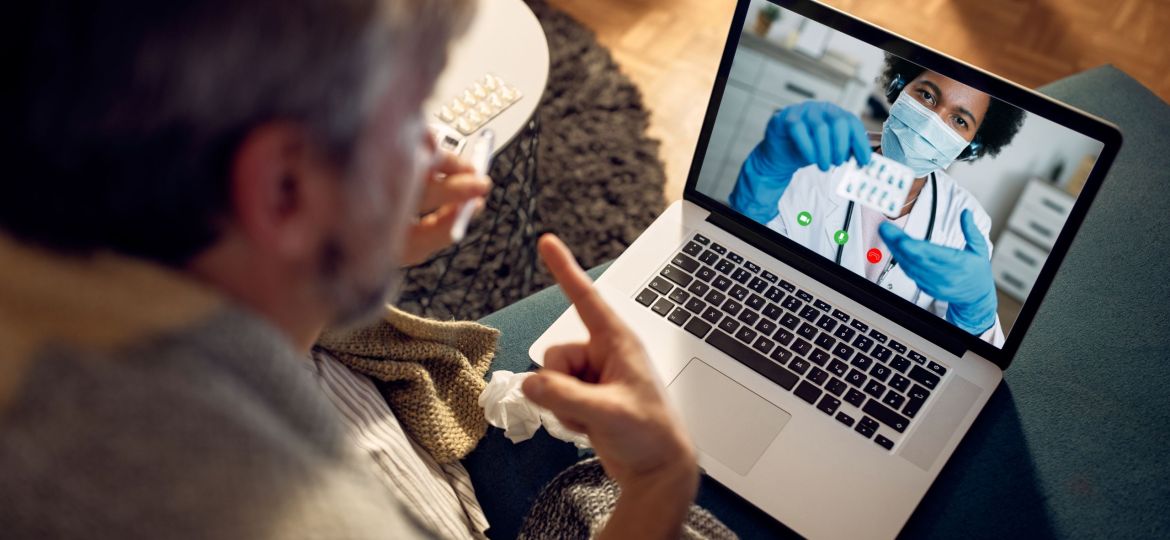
883 184
485 99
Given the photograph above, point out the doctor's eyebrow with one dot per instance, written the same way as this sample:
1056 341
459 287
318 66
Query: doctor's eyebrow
961 109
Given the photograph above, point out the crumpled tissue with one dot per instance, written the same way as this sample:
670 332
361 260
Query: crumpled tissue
506 407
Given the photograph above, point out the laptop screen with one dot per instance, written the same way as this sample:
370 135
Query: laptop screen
940 193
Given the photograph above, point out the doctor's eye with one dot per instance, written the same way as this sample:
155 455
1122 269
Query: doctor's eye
926 95
960 121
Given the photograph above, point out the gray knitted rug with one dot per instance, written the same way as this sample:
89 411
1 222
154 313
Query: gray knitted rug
598 183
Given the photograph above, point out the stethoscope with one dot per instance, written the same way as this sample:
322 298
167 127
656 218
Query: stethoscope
892 263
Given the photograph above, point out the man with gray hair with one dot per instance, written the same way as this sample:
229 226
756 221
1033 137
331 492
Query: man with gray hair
194 189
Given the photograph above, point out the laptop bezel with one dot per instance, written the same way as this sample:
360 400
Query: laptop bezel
886 303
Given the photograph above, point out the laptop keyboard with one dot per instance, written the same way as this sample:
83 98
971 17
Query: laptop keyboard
855 374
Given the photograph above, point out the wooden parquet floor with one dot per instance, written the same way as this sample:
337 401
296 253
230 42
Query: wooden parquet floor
671 48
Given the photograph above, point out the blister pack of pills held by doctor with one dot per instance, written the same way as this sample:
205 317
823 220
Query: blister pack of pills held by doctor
883 184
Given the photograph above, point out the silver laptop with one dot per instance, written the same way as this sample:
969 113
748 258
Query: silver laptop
826 376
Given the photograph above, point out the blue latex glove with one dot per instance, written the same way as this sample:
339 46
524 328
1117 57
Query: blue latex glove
961 277
797 136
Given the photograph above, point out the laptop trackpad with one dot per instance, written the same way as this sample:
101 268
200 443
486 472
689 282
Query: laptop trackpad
729 422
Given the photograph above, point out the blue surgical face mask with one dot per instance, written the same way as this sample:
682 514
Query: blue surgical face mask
918 138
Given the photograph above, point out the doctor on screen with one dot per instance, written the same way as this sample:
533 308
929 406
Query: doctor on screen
937 252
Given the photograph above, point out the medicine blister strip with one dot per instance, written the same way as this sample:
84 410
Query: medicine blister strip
883 184
483 100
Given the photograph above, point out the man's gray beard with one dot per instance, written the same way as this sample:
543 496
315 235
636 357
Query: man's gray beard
356 306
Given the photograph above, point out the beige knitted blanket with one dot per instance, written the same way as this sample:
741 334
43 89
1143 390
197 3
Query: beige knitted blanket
433 373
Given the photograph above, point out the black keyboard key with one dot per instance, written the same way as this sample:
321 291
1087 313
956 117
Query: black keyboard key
809 313
787 286
883 442
774 294
818 376
741 275
729 325
768 276
735 258
780 354
748 316
661 285
924 377
863 343
880 372
877 336
792 304
698 289
716 298
818 357
801 347
646 297
899 383
840 315
917 357
702 239
698 327
766 327
807 331
724 266
881 353
856 378
738 293
756 302
937 368
900 363
772 311
808 392
828 405
709 257
838 367
844 332
789 321
822 305
783 337
718 249
662 306
885 415
679 296
825 341
679 316
763 344
836 387
712 315
673 273
746 335
705 274
803 295
854 397
859 326
752 267
827 323
867 427
843 351
758 285
731 307
799 366
693 248
752 359
875 389
684 261
862 361
917 397
898 347
893 400
845 419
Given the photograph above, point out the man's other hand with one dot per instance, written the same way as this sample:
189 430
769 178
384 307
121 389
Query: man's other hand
450 183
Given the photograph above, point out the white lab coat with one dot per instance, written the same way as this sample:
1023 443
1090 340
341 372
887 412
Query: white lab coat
814 191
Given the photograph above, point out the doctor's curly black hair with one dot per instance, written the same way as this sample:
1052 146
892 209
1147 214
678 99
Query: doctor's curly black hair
1000 125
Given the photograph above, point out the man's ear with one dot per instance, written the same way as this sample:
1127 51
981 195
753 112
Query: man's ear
281 192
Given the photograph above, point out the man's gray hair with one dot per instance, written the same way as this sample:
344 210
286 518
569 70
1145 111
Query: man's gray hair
127 113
